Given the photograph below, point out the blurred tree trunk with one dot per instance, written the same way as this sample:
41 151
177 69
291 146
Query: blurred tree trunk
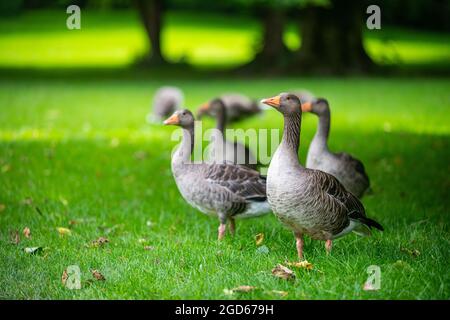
272 54
151 12
331 39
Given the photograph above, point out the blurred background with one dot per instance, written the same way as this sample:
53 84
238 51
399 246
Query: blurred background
301 36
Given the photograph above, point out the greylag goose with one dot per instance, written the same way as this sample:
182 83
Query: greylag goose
165 102
222 149
238 107
224 190
347 169
309 201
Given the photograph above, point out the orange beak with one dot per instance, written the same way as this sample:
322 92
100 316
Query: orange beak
172 120
273 102
306 107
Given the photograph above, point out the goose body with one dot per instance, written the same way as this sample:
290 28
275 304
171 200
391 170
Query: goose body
309 201
347 169
221 149
224 190
165 102
237 107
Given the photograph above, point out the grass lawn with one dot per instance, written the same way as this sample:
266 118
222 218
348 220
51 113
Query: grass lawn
82 152
75 152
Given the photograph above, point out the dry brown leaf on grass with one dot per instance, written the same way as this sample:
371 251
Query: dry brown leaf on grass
99 242
97 275
411 252
27 232
283 272
279 293
64 231
301 265
259 238
14 237
244 289
64 277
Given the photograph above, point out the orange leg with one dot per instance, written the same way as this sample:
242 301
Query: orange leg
299 243
222 228
328 245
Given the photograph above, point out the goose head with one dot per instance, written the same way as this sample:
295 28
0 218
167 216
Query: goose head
182 118
286 103
318 106
214 108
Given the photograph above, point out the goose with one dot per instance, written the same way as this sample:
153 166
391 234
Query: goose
166 100
309 201
224 190
222 149
347 169
238 107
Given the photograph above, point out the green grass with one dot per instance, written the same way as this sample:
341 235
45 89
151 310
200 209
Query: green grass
40 39
76 143
70 145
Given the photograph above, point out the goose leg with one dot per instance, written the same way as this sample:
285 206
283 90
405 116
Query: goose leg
328 245
299 243
222 229
232 226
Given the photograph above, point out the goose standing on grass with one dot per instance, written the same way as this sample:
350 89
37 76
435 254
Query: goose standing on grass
309 201
238 107
221 149
165 102
225 190
347 169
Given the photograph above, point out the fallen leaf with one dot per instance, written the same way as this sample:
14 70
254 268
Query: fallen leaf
149 248
27 232
283 272
14 237
280 293
100 242
97 275
263 249
259 238
64 231
2 207
301 265
228 292
64 277
244 289
411 252
33 250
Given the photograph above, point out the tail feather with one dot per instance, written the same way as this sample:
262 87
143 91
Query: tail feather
372 223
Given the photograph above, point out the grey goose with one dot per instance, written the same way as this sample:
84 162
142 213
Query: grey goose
309 201
224 190
220 148
238 107
165 102
347 169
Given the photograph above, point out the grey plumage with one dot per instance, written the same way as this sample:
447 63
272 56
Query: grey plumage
225 190
347 169
309 201
165 102
237 106
220 148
